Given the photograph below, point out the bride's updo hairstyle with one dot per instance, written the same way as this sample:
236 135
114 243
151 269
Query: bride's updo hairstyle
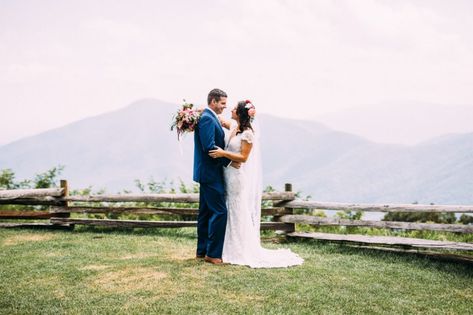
246 112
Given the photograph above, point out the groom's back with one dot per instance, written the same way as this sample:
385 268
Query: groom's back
207 169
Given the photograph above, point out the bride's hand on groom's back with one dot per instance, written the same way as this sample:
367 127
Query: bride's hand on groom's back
236 165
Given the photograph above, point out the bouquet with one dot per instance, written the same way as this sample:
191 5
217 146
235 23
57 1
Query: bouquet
186 119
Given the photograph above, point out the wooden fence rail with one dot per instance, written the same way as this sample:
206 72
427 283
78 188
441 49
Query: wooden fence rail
9 195
185 198
318 221
29 197
270 211
405 242
302 204
162 224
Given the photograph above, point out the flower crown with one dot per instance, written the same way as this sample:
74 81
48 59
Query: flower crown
251 109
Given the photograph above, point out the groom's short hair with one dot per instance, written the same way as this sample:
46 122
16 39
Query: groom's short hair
215 94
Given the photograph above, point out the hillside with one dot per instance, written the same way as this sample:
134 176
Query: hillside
112 150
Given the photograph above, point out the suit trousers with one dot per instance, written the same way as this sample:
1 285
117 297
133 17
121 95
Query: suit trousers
212 220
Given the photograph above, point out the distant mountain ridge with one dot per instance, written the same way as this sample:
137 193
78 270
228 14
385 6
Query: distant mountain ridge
401 122
113 149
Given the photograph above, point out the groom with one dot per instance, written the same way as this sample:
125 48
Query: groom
212 218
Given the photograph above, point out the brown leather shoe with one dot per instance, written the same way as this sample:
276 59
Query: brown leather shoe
199 256
215 261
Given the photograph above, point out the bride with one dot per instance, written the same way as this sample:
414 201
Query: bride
243 188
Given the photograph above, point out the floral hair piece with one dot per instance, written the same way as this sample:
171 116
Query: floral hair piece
251 109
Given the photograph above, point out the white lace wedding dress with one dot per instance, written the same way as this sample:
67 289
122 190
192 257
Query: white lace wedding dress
243 193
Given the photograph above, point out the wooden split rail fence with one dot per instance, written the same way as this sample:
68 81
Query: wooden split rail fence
62 205
280 209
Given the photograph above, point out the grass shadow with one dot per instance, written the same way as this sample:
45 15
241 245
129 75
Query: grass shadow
461 267
188 233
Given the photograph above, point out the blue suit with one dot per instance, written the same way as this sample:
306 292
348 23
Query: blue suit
212 218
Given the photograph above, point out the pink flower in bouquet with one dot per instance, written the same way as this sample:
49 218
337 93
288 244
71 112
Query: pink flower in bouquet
186 119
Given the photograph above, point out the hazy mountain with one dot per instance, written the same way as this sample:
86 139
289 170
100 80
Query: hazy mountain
437 171
113 149
402 122
109 150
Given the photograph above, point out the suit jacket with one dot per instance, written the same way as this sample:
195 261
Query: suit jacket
207 135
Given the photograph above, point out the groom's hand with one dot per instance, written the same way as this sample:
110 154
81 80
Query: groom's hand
236 165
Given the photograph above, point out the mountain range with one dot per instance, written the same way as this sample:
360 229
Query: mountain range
113 149
401 122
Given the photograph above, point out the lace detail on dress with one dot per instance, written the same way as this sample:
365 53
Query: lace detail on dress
247 135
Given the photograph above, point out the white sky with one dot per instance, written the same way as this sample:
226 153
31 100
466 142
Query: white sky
61 61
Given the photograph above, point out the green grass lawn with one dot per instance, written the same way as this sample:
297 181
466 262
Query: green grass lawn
94 271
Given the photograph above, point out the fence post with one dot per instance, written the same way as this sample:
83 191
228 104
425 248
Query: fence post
289 227
65 204
288 188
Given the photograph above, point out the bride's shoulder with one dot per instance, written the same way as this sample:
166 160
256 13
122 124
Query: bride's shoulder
248 135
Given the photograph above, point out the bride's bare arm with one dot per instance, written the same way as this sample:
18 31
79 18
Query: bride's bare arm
225 123
240 157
